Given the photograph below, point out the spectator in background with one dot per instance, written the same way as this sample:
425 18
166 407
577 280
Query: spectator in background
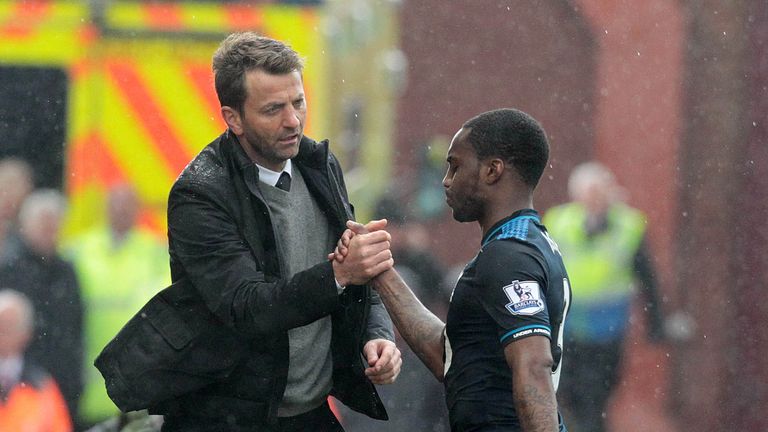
17 182
31 401
415 402
120 267
36 270
604 247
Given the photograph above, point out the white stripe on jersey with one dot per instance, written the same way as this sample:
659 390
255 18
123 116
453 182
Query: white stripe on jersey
566 302
448 352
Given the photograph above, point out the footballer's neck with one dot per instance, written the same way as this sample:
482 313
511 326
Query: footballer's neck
497 210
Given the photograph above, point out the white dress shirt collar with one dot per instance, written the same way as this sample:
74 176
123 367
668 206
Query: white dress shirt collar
270 177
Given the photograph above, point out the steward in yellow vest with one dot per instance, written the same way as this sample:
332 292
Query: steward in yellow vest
604 265
120 267
602 241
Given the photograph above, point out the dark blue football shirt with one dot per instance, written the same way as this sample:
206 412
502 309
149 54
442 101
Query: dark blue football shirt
515 287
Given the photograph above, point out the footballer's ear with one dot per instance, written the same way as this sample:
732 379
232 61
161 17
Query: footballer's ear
233 119
492 170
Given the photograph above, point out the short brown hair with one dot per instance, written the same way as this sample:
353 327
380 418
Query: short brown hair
242 52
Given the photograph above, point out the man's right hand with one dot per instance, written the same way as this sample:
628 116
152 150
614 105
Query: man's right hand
367 256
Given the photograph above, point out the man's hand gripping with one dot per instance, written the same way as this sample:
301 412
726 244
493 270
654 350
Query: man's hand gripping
357 242
365 256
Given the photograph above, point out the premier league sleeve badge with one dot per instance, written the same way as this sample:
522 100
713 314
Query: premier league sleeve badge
524 298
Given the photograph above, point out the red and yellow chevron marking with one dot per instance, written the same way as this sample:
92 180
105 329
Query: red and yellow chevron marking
42 30
189 17
140 108
155 113
23 20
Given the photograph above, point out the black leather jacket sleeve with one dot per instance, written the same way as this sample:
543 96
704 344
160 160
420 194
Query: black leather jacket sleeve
206 245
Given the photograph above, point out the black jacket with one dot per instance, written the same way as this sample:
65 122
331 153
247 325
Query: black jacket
224 255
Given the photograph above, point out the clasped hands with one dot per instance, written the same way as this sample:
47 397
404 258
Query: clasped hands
361 254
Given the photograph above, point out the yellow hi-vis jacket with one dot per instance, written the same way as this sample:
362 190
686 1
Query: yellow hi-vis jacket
116 281
600 268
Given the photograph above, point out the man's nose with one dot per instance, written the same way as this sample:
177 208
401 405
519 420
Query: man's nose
292 119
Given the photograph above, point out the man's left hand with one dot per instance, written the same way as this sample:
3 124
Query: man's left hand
384 360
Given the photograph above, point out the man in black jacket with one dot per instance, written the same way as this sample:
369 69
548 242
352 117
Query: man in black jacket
250 221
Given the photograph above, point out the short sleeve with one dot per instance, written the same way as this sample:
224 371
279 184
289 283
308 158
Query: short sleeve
512 289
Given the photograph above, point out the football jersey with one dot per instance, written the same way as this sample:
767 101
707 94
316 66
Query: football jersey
515 287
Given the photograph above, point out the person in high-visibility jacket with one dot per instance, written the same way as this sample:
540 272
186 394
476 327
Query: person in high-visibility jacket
30 399
120 267
603 242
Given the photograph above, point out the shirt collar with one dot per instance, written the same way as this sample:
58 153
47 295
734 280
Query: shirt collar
270 177
10 368
498 226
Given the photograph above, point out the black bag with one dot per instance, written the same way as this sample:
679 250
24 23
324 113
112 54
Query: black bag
173 346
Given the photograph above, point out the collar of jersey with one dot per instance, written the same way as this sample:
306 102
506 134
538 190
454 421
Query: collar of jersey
516 216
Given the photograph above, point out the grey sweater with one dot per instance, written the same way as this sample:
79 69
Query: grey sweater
306 240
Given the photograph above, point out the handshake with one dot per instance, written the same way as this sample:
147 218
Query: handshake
362 253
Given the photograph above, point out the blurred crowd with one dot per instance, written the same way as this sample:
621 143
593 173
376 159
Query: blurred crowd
62 301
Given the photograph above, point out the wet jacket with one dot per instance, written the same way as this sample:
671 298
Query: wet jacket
224 253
